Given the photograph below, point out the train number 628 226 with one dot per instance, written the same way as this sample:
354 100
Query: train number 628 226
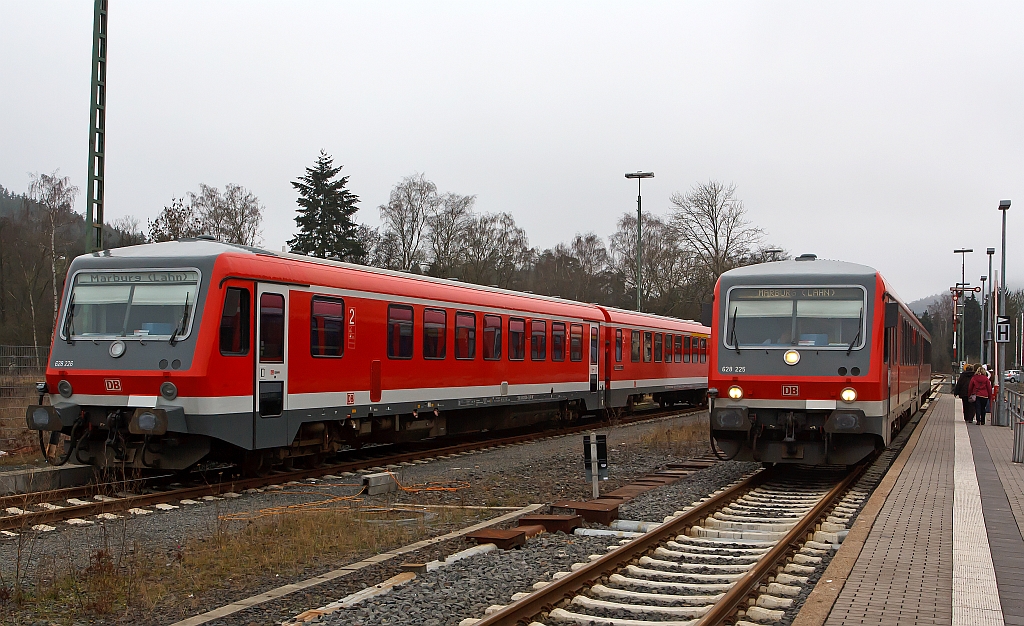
734 369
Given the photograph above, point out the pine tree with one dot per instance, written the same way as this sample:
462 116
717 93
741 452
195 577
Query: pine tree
326 228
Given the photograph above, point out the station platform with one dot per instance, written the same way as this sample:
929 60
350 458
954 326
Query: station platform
943 543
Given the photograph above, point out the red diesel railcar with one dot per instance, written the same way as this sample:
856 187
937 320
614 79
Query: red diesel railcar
166 354
812 362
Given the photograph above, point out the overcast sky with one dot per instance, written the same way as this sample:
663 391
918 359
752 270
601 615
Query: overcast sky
881 133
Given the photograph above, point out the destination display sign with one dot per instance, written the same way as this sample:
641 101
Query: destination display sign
171 277
797 293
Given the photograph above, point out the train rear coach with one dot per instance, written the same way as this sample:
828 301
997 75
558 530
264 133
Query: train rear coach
166 354
812 362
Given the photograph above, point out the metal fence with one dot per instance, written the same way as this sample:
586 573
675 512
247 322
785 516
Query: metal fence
20 368
1015 411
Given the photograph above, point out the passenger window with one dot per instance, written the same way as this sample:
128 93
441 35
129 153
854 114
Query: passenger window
618 345
679 349
399 331
648 346
695 350
557 341
668 348
234 323
272 328
516 339
327 326
538 340
634 353
575 342
657 347
435 333
686 349
594 341
703 350
465 335
492 337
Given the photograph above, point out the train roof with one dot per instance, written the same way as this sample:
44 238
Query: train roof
201 248
821 268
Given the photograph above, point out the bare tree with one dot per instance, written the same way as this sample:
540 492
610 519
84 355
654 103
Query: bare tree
496 250
446 231
177 221
710 221
405 216
56 195
234 217
128 231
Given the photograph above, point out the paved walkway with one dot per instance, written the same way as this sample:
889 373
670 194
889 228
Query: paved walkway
957 507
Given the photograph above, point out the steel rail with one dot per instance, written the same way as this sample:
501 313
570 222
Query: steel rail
29 519
525 610
749 583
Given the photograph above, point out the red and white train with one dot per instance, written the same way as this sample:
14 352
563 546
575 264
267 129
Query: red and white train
166 354
812 362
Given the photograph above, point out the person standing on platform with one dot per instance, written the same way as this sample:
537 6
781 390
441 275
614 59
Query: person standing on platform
981 391
962 390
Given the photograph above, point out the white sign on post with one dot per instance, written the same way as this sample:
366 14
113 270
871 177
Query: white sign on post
1002 329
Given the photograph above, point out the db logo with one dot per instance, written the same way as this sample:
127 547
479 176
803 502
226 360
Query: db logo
790 390
350 398
112 384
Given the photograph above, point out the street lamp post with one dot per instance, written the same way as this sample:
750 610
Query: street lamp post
958 345
988 318
998 411
981 339
638 175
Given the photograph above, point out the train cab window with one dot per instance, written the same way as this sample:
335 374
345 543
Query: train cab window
658 341
492 337
465 335
516 339
686 349
703 350
538 340
618 345
327 326
634 352
679 348
594 342
435 333
234 322
272 328
557 341
648 346
575 342
399 331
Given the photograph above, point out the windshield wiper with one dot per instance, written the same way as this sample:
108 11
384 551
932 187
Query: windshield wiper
69 326
860 328
732 331
181 324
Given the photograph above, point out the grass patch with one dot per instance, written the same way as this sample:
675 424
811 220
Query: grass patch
689 438
238 559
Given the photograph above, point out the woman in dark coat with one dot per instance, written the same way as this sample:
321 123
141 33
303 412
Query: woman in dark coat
981 389
962 389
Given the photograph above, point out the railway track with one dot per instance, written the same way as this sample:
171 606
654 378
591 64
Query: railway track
741 555
35 510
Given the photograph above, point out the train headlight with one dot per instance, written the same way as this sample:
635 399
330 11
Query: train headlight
791 357
117 349
735 392
848 395
168 390
64 387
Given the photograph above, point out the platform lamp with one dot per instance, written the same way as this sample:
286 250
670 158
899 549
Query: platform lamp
638 175
957 349
998 411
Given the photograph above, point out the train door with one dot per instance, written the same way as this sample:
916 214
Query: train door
890 350
596 384
270 427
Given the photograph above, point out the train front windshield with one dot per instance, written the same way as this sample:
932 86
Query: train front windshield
783 317
133 304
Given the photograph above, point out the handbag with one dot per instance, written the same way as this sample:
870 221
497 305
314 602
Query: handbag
972 398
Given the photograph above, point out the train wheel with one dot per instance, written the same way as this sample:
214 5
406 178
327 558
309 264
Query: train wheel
255 463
